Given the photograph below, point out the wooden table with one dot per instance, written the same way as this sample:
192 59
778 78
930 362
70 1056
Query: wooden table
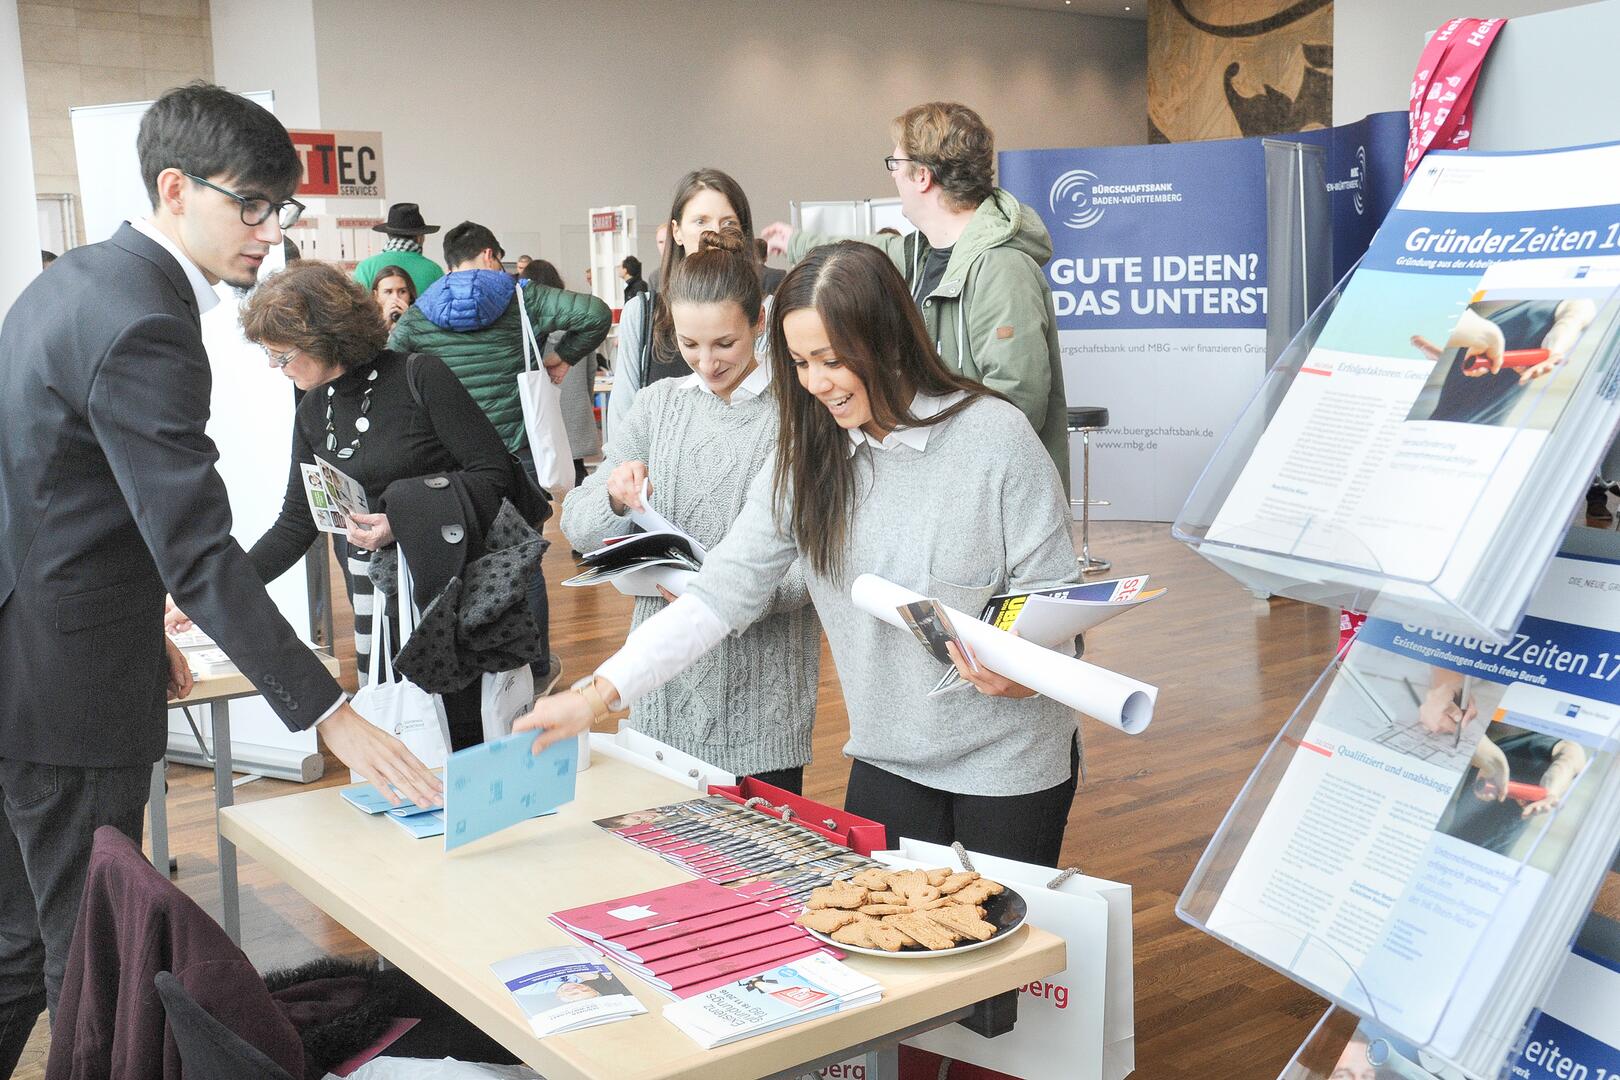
445 917
217 691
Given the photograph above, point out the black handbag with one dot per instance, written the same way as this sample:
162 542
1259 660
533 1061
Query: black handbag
527 498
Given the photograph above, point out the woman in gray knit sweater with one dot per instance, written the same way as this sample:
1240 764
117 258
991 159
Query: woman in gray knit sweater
887 463
749 704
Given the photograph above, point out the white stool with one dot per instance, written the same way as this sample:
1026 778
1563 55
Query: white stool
1085 420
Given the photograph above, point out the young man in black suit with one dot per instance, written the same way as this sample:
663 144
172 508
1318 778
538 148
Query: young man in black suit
108 499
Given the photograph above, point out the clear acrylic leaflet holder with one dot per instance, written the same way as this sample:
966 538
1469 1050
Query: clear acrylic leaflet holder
1321 561
1328 1042
1259 821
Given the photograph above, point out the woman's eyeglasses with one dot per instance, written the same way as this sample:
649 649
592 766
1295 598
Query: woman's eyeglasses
258 211
281 359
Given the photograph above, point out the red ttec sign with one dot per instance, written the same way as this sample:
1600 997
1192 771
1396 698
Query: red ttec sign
340 164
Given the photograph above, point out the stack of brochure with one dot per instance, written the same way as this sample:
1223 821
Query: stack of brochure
1423 443
566 989
420 821
1427 833
804 989
686 939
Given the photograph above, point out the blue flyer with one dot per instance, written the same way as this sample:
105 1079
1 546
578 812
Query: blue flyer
497 784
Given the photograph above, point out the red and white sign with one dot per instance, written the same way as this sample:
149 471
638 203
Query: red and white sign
607 221
1443 86
340 164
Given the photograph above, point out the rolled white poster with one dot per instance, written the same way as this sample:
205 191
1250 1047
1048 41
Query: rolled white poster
1117 700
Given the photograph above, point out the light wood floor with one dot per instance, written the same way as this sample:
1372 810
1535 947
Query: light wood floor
1229 667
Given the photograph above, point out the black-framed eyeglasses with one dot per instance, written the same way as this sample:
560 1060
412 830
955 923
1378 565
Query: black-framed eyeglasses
258 211
281 359
893 163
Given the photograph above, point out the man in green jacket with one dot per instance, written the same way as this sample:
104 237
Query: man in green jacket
974 265
469 320
404 229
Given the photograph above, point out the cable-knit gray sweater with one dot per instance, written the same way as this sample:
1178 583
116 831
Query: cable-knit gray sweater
979 511
749 704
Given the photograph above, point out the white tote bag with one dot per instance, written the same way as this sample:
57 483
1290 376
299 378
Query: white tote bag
542 415
1079 1024
506 696
391 701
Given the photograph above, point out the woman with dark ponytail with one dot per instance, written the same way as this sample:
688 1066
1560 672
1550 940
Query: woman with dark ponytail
886 463
695 442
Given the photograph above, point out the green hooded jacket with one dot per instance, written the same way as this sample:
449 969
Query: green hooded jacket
991 314
468 320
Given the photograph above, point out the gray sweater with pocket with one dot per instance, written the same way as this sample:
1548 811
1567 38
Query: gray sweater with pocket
979 511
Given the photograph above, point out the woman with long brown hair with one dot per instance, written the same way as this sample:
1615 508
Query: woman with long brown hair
749 704
705 200
889 464
394 292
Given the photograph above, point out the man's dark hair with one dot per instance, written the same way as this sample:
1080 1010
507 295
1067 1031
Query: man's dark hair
207 131
633 265
46 258
463 243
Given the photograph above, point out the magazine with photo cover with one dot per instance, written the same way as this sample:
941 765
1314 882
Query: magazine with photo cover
1428 831
1423 440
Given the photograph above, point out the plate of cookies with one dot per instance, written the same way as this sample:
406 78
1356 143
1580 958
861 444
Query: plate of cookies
909 914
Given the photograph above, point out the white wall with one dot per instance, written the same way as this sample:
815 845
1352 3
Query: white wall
258 47
1376 45
522 115
19 218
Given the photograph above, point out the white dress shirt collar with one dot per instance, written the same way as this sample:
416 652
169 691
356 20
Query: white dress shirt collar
923 406
751 387
206 296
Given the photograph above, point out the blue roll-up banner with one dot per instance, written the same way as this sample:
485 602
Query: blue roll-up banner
1158 278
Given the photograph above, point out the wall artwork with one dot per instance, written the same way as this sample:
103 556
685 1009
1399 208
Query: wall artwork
1220 69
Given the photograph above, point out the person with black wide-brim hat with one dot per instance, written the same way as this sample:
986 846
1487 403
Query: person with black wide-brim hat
405 229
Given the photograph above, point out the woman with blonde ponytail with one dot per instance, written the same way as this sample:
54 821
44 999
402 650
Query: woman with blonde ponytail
696 442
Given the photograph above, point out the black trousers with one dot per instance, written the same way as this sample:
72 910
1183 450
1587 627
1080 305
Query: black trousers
786 779
48 818
463 712
1027 828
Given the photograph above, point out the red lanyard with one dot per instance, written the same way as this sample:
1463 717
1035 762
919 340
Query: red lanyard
1443 86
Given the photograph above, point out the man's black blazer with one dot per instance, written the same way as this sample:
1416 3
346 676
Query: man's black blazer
109 496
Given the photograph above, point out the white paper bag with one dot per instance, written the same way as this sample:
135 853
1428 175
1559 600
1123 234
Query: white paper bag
506 695
392 702
542 415
1079 1024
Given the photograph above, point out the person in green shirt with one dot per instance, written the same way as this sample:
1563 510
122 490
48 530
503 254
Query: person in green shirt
405 229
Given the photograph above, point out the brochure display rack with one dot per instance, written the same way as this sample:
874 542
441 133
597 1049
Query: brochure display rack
1426 834
1417 448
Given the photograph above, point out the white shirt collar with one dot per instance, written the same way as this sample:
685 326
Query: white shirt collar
206 296
751 387
923 406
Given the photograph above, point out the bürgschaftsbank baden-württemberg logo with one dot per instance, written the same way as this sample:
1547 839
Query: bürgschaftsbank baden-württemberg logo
1079 198
1071 199
1356 182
